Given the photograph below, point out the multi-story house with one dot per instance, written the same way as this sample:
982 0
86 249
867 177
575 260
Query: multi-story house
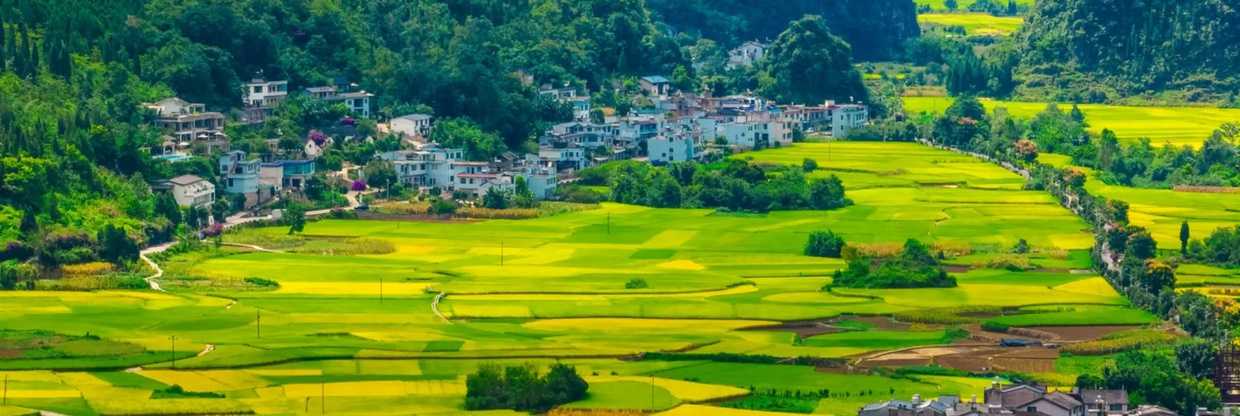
260 98
845 117
241 176
189 191
357 102
670 148
189 127
413 126
746 55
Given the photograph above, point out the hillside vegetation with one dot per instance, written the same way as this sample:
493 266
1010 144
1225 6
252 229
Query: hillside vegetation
1091 50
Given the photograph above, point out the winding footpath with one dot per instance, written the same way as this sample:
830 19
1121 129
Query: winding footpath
235 220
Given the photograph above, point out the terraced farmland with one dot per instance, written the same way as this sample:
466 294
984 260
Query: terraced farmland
398 328
1177 126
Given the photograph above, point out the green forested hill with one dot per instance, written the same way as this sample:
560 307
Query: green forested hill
1108 48
876 29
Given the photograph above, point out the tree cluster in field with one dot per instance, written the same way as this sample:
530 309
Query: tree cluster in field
522 388
825 244
732 184
1178 380
520 197
914 267
1220 248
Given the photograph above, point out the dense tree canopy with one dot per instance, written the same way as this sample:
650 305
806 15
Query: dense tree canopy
1091 50
877 29
808 64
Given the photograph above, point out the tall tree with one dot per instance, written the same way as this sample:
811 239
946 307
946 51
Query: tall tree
1184 236
808 64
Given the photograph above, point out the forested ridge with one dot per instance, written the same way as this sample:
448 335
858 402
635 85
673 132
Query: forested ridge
1109 49
877 29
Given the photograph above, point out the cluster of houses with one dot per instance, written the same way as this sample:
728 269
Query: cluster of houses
683 126
1022 400
675 127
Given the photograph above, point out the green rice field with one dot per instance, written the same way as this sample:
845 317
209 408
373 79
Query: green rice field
1163 210
1176 126
937 5
974 24
394 314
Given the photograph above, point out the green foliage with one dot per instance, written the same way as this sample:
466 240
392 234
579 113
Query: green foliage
1067 64
808 64
636 283
1221 248
176 392
1197 358
522 388
824 244
116 246
732 184
261 282
1152 377
875 28
295 217
915 267
467 135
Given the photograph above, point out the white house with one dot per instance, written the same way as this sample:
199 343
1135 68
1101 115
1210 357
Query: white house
357 102
845 117
261 97
241 176
412 126
746 55
190 191
190 126
668 149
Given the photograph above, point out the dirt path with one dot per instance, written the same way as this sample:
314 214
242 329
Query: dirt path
252 247
206 349
435 307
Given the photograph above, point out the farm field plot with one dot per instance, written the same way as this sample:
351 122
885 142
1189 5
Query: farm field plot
974 24
938 5
1177 126
353 327
1163 210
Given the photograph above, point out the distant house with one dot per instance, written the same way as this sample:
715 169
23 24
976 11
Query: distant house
292 173
240 176
189 126
746 55
569 95
260 98
1017 400
845 117
358 102
1104 402
189 191
668 149
412 126
655 85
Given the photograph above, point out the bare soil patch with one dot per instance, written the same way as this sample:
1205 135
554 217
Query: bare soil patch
1082 333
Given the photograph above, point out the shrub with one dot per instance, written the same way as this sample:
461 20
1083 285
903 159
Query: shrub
824 244
261 282
636 283
441 206
993 326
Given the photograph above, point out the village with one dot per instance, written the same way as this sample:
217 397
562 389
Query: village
675 126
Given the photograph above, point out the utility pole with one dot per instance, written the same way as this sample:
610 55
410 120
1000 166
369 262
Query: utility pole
652 393
6 391
174 351
258 323
322 398
380 290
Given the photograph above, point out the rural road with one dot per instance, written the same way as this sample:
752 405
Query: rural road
230 222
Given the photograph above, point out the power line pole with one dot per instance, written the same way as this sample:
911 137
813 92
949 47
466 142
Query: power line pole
6 391
380 290
322 398
258 323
